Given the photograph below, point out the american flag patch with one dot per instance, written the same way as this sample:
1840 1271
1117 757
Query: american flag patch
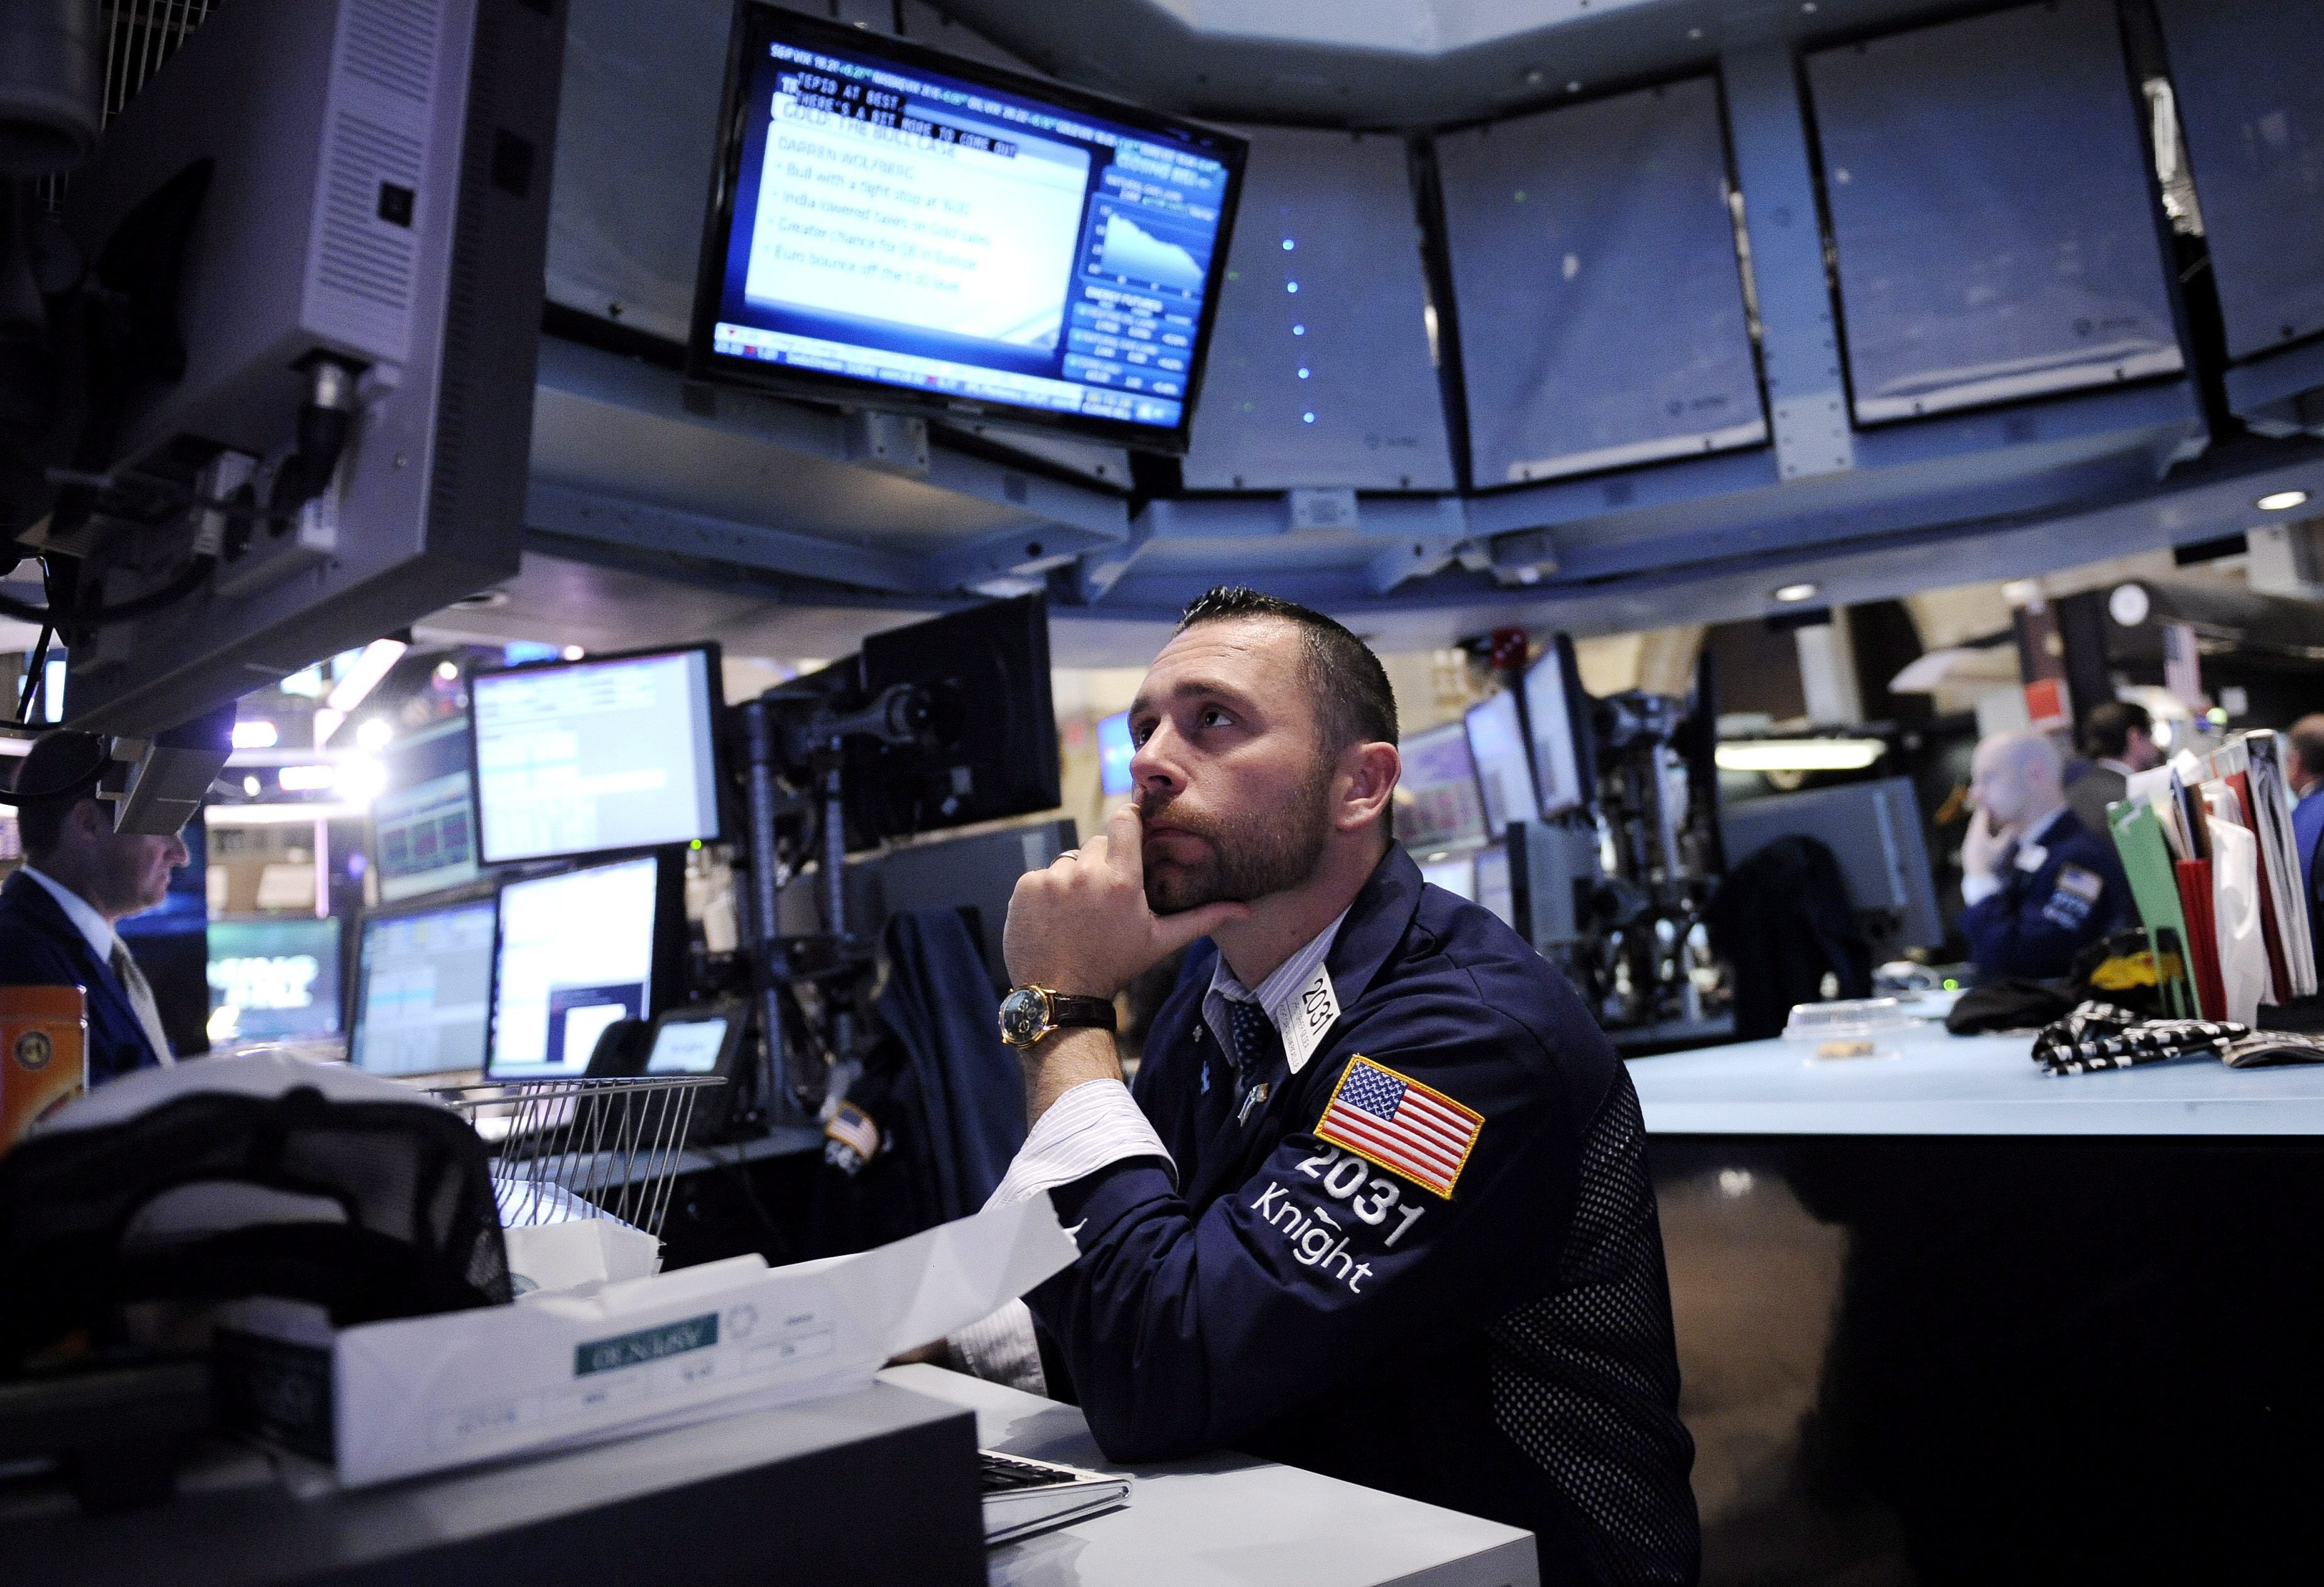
854 1129
1405 1127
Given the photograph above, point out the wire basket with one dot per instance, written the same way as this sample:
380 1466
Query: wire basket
572 1149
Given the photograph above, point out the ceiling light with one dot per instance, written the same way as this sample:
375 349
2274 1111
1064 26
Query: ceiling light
2281 501
1800 754
374 732
449 671
254 735
574 652
302 779
377 660
359 779
1792 594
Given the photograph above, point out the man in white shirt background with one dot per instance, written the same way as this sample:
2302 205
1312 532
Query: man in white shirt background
79 878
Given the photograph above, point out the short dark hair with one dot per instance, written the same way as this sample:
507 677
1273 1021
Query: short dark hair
2307 739
2107 729
60 770
1354 701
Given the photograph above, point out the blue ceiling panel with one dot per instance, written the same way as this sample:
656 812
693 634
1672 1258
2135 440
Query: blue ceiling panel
1993 212
1600 302
1319 371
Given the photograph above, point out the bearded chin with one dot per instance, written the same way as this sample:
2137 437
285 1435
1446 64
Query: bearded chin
1248 861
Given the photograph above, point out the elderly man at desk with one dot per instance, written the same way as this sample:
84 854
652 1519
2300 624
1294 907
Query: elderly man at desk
2041 886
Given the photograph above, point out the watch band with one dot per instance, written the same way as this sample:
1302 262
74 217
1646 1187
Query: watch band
1069 1011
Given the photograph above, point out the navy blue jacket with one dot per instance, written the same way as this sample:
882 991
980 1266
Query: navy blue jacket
1505 1351
41 947
2041 918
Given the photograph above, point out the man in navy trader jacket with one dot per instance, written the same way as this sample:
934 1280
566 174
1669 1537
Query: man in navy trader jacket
1378 1206
79 877
2040 885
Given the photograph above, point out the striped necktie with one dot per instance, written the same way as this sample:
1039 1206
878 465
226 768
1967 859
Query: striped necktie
141 998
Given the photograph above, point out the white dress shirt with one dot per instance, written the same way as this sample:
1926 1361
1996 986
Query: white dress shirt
77 909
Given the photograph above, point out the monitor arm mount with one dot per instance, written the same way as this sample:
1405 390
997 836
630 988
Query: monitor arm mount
796 734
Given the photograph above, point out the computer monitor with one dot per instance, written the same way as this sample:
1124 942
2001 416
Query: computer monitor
1873 829
897 227
1456 874
423 821
976 874
991 747
1497 740
596 756
576 951
278 976
1115 750
1437 803
1557 722
423 996
322 230
1493 884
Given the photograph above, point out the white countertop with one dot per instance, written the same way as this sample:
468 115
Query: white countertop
1225 1521
1942 1084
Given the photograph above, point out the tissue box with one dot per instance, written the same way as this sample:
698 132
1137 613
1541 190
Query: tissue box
393 1399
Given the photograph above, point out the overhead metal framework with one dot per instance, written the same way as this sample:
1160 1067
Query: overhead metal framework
1909 341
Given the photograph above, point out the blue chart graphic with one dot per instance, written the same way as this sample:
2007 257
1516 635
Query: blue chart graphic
1128 250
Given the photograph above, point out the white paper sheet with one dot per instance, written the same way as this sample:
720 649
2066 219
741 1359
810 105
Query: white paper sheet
602 1359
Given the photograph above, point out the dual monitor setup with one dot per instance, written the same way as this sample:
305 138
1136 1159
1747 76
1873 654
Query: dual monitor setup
534 901
532 859
1519 756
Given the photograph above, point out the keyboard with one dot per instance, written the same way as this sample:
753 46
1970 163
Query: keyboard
1024 1495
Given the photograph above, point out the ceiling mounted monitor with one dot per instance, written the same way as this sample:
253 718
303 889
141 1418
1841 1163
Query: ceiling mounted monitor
895 227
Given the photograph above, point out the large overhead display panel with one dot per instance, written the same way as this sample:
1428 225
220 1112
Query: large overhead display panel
1320 374
896 226
1993 211
1600 302
2249 79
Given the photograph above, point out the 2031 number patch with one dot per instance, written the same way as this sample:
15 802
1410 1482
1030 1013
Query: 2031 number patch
1347 1177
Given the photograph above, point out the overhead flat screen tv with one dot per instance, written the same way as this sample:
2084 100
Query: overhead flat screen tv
892 226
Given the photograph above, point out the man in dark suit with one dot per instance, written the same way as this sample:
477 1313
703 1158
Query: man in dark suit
2118 737
2040 885
79 877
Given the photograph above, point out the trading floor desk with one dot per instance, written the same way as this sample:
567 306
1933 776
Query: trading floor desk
1944 1318
1224 1520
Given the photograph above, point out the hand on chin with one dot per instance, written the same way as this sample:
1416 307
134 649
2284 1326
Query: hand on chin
1086 926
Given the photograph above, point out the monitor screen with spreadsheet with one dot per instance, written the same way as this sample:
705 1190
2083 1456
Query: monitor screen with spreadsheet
596 756
423 997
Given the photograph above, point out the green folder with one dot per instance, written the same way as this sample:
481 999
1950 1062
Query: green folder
2154 889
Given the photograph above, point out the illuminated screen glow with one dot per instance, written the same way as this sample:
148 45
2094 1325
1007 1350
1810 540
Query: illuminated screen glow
947 234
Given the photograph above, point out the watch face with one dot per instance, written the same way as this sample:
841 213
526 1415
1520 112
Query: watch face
1024 1016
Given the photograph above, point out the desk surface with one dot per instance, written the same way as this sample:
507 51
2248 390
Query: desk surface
1225 1518
1942 1084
